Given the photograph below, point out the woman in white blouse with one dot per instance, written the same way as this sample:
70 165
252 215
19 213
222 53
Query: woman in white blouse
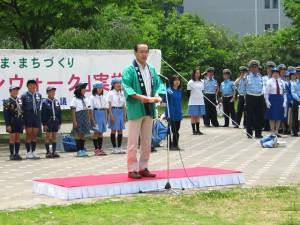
275 97
196 107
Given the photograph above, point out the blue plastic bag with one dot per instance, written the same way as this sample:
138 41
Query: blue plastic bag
269 141
69 144
159 133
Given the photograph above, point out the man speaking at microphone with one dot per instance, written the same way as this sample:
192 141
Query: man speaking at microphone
142 89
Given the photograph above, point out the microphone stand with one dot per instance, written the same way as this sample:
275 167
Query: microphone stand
168 186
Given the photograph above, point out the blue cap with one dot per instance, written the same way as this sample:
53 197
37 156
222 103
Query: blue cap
115 80
49 88
276 69
292 72
98 84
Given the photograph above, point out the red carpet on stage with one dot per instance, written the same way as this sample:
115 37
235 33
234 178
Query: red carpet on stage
115 184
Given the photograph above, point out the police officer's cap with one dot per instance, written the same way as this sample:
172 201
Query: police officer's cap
290 68
50 88
276 69
227 71
292 72
210 70
298 69
282 67
254 63
204 73
271 64
31 81
115 80
243 68
11 87
80 86
98 84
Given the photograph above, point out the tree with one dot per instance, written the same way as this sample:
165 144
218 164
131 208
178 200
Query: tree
35 21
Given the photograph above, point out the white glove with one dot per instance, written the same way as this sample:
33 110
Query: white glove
284 105
268 104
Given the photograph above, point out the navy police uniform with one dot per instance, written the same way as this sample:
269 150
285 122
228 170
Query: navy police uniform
51 114
31 109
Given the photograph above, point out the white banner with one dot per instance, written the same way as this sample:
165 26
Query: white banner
63 69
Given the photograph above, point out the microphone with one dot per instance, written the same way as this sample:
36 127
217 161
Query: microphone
162 76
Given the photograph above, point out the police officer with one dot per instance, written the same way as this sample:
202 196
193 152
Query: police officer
51 120
211 90
295 90
269 65
228 91
282 68
32 101
254 100
13 120
240 84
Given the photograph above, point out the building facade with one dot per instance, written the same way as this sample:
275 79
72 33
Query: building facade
240 16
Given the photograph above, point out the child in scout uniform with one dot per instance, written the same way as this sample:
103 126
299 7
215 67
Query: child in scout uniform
98 113
227 89
13 120
117 114
51 120
80 115
31 105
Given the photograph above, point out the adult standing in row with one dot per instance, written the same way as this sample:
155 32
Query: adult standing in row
142 88
275 98
211 90
227 89
196 107
254 100
295 90
240 84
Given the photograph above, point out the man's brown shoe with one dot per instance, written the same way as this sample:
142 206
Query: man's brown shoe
134 175
146 173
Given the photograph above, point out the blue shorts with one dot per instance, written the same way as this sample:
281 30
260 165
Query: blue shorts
119 123
52 126
31 119
196 110
16 125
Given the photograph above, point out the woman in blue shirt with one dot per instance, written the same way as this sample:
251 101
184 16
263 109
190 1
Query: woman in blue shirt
174 95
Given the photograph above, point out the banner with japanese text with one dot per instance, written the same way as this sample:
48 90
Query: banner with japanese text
64 69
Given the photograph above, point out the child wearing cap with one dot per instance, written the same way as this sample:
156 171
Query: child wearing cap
117 114
13 120
51 120
98 113
32 102
80 115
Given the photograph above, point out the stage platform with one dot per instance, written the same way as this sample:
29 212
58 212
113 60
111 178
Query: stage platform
70 188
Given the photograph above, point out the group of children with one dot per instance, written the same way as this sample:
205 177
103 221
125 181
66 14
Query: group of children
31 110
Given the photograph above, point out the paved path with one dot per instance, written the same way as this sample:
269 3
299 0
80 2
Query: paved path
226 148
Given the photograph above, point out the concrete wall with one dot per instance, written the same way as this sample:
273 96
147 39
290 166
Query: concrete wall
237 15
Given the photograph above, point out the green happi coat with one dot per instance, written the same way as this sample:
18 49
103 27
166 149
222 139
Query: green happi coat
131 85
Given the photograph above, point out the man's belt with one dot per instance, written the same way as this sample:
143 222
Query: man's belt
227 96
253 94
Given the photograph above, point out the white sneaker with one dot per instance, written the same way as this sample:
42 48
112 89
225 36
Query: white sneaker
116 151
35 155
121 150
29 155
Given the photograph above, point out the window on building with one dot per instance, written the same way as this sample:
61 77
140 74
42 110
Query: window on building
267 26
275 27
267 4
275 4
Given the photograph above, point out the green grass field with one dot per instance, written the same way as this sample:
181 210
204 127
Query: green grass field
262 205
